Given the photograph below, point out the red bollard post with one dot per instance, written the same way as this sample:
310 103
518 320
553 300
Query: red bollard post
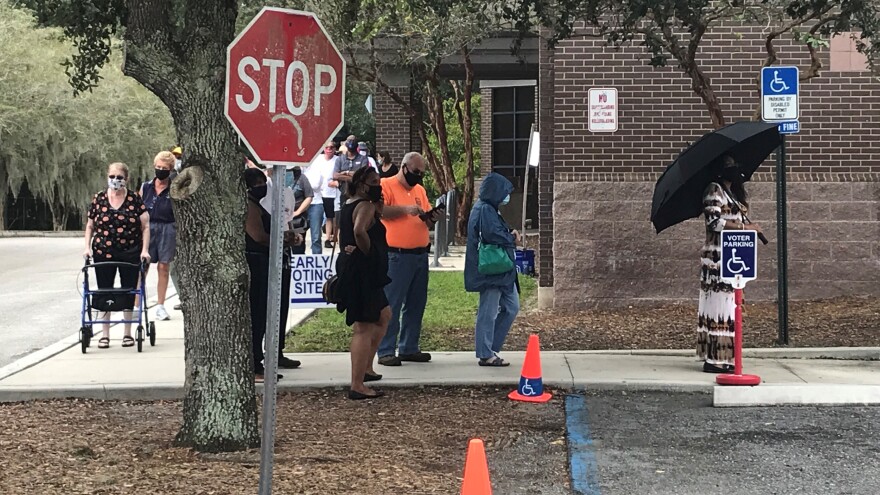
737 378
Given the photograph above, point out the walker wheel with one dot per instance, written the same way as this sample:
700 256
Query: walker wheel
151 332
140 338
85 337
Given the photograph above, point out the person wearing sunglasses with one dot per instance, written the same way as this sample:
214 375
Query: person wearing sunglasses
117 229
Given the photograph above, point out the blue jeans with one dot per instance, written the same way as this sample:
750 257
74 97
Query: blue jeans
498 308
407 295
316 218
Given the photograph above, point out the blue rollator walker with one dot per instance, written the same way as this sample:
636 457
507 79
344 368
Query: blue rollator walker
96 301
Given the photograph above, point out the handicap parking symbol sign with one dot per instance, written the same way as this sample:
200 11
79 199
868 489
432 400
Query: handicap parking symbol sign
739 257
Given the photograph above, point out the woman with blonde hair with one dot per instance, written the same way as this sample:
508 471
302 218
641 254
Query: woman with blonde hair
163 229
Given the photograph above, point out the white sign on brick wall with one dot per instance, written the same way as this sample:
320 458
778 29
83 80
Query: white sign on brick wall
602 111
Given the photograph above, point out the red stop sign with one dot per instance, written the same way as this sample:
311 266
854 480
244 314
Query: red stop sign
285 86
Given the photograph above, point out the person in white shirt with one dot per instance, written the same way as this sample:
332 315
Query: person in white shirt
363 150
329 192
315 173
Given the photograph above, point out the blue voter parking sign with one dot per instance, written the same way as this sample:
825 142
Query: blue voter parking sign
739 257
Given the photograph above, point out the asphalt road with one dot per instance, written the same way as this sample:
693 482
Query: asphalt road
40 293
677 444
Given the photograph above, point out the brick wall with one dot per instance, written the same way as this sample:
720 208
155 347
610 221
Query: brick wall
485 131
546 170
597 237
393 129
660 115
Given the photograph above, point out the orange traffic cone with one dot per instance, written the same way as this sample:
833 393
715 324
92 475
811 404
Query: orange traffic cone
476 470
531 386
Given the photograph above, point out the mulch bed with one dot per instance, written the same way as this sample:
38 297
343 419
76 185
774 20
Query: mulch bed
412 441
844 322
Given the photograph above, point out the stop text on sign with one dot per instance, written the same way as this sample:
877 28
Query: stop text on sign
300 85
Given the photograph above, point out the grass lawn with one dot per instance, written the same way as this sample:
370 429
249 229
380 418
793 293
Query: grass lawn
448 324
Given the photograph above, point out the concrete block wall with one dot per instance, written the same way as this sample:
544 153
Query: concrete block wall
607 253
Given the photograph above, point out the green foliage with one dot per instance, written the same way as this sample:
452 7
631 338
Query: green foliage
674 28
448 321
455 138
60 144
92 26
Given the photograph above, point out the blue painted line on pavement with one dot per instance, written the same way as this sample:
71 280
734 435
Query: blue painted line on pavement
581 456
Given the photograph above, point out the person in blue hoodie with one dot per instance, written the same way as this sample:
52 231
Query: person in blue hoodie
499 294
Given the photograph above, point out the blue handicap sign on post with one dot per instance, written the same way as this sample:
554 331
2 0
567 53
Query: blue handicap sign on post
739 257
779 95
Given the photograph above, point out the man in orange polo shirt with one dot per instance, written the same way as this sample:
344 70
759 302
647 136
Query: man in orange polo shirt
408 244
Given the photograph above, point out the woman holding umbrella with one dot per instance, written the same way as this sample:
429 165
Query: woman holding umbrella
725 207
707 180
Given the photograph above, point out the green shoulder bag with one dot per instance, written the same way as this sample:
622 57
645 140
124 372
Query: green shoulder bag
494 259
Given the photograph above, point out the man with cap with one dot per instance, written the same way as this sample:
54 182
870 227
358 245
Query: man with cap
177 151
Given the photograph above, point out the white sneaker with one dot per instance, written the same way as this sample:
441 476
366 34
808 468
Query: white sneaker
161 314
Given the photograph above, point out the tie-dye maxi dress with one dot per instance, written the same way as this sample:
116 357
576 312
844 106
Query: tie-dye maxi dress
715 329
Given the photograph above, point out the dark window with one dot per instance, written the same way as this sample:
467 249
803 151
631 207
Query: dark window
513 112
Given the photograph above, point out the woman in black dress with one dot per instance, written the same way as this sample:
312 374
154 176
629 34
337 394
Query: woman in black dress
362 268
386 167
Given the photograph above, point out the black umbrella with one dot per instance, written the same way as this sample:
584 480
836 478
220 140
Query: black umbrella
678 195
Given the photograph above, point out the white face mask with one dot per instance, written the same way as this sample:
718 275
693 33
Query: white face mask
362 153
505 200
116 184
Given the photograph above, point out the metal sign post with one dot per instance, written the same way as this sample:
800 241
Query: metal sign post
531 161
739 265
273 321
780 102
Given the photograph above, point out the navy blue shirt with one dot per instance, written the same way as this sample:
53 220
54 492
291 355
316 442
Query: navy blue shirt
159 205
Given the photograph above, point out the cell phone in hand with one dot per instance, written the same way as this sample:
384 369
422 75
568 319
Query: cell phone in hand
428 214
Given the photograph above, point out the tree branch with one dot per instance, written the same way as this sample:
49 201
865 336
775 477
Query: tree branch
150 47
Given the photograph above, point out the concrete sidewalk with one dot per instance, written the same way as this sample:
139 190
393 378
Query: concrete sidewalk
158 372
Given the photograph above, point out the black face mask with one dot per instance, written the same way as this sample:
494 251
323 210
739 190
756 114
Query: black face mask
259 192
297 173
733 175
162 174
374 193
412 179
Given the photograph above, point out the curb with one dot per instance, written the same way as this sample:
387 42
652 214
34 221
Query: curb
797 395
841 353
175 391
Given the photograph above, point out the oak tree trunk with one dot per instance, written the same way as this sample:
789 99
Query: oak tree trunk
186 70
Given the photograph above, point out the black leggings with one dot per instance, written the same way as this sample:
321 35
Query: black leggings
259 295
128 276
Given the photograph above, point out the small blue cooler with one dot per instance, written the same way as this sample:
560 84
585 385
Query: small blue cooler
525 261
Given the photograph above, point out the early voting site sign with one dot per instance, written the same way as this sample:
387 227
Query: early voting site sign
308 272
739 257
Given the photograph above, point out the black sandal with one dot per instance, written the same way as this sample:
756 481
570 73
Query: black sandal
494 361
127 341
372 378
359 396
104 343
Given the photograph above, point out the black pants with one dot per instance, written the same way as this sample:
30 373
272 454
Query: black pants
128 276
259 296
